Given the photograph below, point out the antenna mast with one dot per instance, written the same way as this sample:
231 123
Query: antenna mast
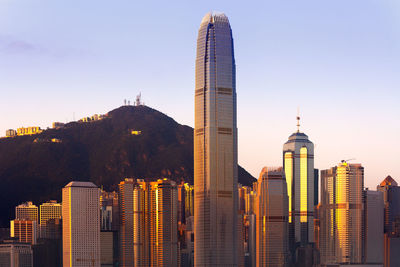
298 120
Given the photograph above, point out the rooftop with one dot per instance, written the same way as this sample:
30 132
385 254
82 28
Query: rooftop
81 184
388 181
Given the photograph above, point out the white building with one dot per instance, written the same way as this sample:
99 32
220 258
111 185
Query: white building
81 224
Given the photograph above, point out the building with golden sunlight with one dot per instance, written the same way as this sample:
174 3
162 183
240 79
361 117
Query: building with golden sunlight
298 164
215 145
26 231
125 199
27 211
49 211
272 231
155 224
29 130
81 224
341 215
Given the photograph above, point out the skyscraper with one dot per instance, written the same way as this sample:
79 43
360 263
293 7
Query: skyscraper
341 214
373 227
81 224
298 163
215 145
126 222
155 224
391 196
272 218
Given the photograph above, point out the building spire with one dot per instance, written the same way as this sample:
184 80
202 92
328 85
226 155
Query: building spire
298 120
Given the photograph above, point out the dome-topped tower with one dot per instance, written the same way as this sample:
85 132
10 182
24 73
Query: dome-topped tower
298 162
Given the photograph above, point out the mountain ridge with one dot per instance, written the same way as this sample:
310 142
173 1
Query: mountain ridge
35 168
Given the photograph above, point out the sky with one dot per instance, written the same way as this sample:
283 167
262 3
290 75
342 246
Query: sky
338 61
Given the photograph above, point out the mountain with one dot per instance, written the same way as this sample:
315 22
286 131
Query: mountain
35 168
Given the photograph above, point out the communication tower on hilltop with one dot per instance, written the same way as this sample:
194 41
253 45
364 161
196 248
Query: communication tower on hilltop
138 101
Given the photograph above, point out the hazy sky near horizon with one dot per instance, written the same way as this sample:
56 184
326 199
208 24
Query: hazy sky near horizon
337 60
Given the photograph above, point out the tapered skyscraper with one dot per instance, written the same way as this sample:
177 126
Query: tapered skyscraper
215 145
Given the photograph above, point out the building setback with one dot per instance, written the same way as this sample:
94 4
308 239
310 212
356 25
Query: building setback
215 145
81 224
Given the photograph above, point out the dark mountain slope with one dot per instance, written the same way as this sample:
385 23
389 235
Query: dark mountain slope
105 151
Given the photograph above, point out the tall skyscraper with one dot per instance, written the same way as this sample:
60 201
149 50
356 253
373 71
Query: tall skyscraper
272 218
126 222
298 163
215 145
341 214
81 224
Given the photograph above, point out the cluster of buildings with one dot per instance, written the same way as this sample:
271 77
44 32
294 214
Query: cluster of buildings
23 131
281 220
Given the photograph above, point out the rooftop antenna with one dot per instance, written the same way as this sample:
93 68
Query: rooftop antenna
298 119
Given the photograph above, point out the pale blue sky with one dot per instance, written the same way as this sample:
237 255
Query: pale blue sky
338 60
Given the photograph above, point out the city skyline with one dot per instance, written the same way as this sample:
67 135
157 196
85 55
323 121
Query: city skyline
360 73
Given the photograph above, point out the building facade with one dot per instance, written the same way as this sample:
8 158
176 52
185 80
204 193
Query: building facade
125 199
14 254
298 164
81 224
391 197
341 215
215 145
155 223
272 231
27 211
373 227
50 214
24 230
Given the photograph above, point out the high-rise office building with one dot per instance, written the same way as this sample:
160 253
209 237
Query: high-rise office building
272 218
125 199
24 230
50 212
373 227
81 224
215 145
298 164
341 214
27 211
391 196
155 224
